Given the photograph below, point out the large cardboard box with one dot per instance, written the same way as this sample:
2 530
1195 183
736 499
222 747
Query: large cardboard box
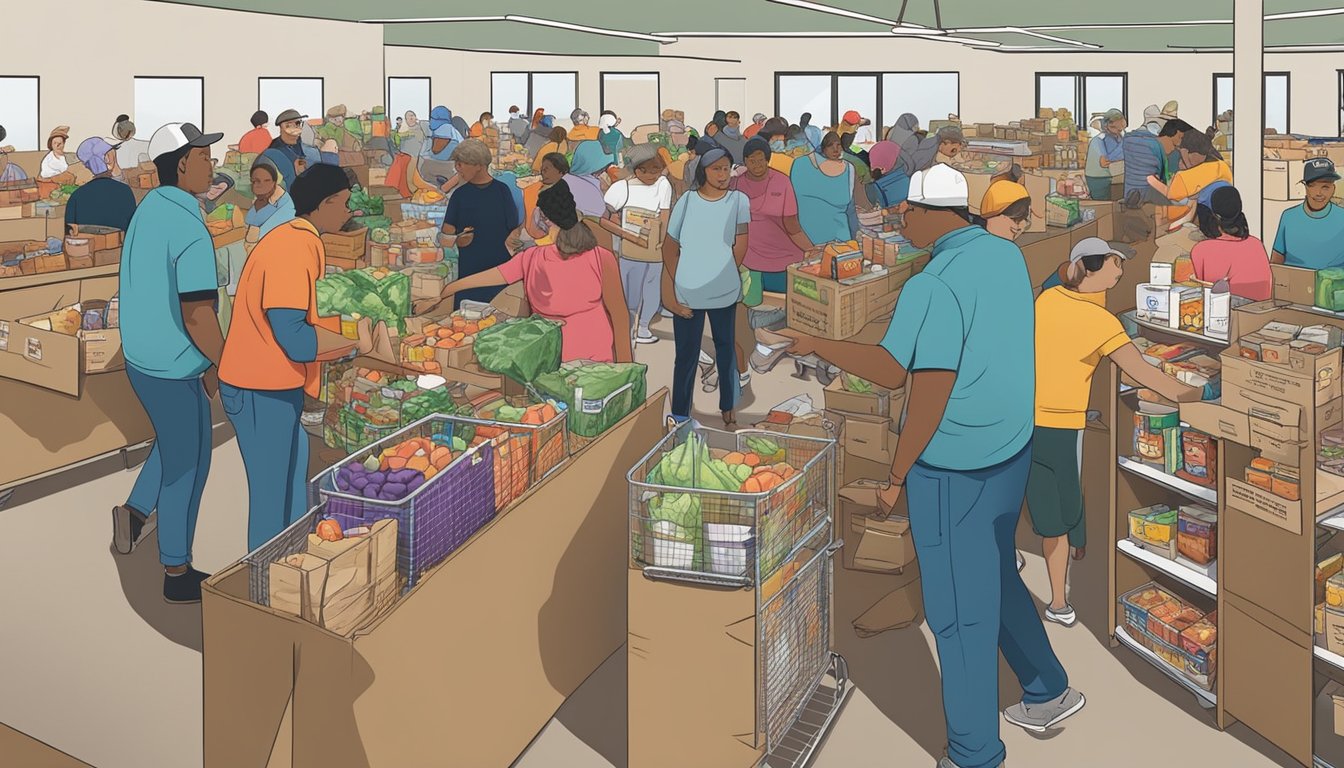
1282 180
385 696
1219 421
1306 381
870 437
1263 505
1294 285
54 360
879 402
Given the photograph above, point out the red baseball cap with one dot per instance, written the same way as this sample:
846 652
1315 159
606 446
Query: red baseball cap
854 118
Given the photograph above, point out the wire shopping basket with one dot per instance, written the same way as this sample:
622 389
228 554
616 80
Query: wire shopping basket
436 518
681 530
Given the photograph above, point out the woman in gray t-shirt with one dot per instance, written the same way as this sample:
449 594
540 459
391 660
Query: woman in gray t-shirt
705 244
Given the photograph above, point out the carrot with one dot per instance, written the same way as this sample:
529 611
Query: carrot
548 413
471 329
768 480
752 485
735 457
444 333
420 463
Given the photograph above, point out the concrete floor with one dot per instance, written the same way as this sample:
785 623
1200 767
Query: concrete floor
96 665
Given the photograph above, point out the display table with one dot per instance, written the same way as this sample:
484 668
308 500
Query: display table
468 667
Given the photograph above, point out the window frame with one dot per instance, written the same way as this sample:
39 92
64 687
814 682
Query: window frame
878 74
322 84
1080 93
37 115
1264 103
199 78
530 96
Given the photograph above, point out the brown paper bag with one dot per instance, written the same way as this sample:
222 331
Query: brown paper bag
898 610
297 585
348 595
386 583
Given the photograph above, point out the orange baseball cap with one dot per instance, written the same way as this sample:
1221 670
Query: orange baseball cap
1000 195
854 118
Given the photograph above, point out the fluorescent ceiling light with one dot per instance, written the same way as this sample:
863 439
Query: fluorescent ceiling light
530 20
807 5
1029 32
1304 14
963 40
886 35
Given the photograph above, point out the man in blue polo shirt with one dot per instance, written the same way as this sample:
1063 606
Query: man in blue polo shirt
172 342
964 333
1311 235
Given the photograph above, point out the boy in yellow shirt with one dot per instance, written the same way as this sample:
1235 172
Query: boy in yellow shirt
1073 333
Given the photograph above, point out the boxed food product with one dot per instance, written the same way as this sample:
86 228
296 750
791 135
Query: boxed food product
1139 602
1197 534
1334 592
1199 641
1280 331
1159 354
851 394
1167 621
1334 630
1260 473
1328 336
1324 570
1192 311
1320 618
1199 458
1155 529
1194 371
1285 482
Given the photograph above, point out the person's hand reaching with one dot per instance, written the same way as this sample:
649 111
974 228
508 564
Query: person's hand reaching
802 345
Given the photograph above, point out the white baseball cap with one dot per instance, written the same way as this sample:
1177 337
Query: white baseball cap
941 186
175 136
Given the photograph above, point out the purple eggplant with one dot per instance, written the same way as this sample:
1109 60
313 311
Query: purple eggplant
372 491
416 482
378 477
358 482
396 490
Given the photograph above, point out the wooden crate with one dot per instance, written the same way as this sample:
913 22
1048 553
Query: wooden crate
832 309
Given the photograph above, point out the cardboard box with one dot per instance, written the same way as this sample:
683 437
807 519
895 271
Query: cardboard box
1307 380
107 258
1334 634
96 238
838 310
512 301
54 360
425 286
1294 285
346 245
1282 180
1260 504
870 437
879 546
879 402
15 212
267 674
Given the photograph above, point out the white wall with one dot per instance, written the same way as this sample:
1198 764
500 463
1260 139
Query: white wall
995 87
87 79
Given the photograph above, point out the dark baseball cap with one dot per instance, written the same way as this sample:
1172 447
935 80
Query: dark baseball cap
1318 168
289 115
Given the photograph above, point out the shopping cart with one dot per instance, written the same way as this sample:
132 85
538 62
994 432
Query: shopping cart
777 542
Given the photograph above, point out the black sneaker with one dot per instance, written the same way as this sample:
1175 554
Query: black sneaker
185 588
128 525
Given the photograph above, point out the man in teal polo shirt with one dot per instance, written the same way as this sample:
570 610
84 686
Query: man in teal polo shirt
171 338
964 333
1311 235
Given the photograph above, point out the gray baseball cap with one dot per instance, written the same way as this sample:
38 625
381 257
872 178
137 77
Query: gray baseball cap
1095 246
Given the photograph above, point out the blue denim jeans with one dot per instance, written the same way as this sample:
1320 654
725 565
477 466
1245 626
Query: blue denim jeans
173 477
964 524
686 336
275 457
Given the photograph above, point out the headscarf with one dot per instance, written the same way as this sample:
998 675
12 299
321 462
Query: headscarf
707 159
919 154
903 129
93 154
439 117
884 156
606 123
537 116
589 159
720 119
756 144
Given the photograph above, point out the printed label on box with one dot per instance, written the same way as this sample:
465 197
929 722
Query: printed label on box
4 335
1272 509
33 351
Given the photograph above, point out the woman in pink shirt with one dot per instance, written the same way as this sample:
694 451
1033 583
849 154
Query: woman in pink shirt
572 281
1230 251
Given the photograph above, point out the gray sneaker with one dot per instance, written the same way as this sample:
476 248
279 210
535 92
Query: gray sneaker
1066 617
947 763
1042 717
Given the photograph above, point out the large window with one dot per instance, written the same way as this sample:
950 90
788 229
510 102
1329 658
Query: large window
926 95
276 94
411 94
163 100
18 112
634 97
880 97
555 92
1276 95
1086 95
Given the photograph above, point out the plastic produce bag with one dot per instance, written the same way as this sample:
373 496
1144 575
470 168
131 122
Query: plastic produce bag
521 349
1330 289
598 395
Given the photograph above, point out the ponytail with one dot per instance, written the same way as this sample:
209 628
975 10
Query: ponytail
1071 274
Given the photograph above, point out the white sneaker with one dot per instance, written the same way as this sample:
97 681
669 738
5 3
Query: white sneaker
645 337
1020 562
744 380
1066 617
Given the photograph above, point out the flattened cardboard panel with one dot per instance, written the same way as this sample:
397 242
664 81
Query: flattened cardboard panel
1273 699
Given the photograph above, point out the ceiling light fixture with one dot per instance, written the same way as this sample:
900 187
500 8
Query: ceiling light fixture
1030 32
1304 14
807 5
530 20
